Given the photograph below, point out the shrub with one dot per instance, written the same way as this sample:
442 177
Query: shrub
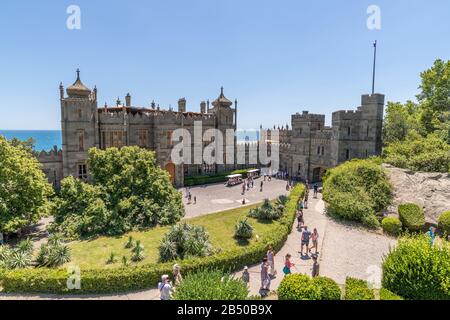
417 270
53 254
112 258
411 216
385 294
444 222
356 289
302 287
130 243
267 211
357 190
125 279
15 258
185 241
392 226
243 230
211 285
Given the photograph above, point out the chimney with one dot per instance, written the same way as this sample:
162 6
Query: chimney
128 100
182 105
61 91
203 107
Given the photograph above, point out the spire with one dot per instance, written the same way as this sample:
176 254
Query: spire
221 91
78 89
374 65
78 74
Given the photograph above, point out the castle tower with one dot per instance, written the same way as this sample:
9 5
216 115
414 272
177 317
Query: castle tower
79 124
182 105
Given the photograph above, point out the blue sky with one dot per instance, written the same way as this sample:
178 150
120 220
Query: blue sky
275 57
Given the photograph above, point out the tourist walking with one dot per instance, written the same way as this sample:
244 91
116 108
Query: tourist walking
195 199
271 261
265 278
246 275
287 265
305 201
316 190
432 234
300 220
315 267
177 277
306 235
165 288
261 187
315 241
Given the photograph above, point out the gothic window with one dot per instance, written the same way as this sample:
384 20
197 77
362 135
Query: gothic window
169 138
80 140
349 131
143 138
347 154
323 150
116 139
318 150
82 172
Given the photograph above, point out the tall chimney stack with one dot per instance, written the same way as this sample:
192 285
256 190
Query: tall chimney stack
128 100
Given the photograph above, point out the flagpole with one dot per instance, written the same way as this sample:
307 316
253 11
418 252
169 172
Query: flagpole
374 65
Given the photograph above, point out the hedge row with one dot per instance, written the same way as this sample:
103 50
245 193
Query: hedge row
146 276
356 289
208 179
302 287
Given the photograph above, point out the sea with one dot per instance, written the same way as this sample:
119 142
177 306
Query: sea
45 140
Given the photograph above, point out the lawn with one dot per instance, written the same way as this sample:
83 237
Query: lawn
220 226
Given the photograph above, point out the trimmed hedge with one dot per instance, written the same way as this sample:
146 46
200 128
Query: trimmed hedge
385 294
411 216
146 276
356 289
392 226
417 270
302 287
444 222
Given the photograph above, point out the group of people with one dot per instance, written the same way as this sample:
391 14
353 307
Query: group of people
190 197
267 271
167 285
249 183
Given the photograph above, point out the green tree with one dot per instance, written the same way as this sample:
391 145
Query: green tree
24 189
400 119
129 191
435 97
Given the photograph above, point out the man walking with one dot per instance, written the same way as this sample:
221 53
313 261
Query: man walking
306 235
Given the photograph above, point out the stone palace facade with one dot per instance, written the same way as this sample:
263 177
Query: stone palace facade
307 149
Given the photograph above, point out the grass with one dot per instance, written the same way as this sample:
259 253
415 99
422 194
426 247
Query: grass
220 226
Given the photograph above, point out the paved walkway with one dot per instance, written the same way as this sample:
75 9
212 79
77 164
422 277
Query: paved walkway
217 197
344 250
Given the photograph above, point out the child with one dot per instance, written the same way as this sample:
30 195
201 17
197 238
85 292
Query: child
316 267
287 265
271 261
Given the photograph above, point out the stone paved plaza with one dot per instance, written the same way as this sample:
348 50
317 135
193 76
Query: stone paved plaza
218 197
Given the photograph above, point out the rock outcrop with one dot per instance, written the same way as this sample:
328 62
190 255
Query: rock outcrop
429 190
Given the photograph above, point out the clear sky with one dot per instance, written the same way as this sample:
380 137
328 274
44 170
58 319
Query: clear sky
276 57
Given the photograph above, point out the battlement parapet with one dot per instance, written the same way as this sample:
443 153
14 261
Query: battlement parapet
309 117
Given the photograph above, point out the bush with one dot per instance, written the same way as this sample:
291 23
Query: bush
302 287
444 222
356 289
53 254
392 226
357 190
411 216
185 241
134 278
243 230
268 211
417 270
388 295
211 285
16 258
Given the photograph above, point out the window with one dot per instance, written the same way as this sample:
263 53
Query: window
80 113
299 168
349 131
318 150
323 150
367 154
367 130
80 140
169 138
347 154
103 140
82 172
116 139
143 138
